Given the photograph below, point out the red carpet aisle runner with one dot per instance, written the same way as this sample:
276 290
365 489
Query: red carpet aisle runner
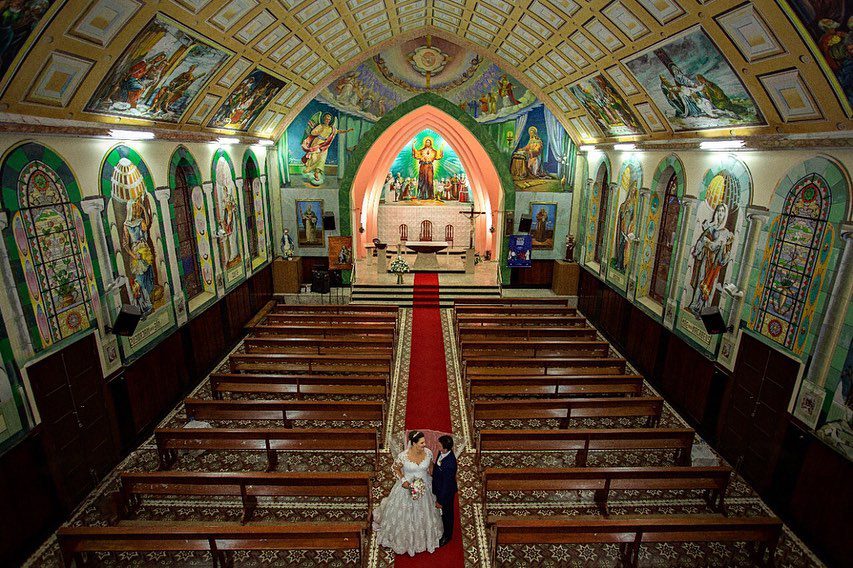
428 403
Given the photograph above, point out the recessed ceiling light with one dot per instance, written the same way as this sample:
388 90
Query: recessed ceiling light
624 147
265 142
227 141
587 148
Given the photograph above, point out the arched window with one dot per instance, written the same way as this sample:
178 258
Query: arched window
187 243
666 239
249 181
54 255
797 237
601 228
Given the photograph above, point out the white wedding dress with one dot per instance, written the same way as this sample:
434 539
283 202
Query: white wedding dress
406 525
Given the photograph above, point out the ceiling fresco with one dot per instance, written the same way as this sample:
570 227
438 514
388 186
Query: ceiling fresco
608 69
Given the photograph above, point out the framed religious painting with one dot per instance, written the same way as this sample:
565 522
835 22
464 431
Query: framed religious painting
340 253
309 220
544 220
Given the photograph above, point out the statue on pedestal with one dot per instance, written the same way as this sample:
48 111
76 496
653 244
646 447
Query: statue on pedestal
287 246
570 248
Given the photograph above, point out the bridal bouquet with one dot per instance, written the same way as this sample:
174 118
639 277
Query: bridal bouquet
417 488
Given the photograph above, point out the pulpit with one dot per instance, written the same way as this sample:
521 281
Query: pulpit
286 275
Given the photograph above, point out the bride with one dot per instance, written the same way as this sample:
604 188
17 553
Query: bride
407 520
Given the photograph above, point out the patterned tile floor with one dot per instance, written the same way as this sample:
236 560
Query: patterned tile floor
99 507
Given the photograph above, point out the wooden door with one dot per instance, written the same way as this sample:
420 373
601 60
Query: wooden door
69 393
756 410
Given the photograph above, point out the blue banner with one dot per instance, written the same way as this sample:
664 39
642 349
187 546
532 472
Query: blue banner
520 251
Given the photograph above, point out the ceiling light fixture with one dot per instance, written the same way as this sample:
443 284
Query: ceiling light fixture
587 148
721 144
227 141
131 134
265 142
625 147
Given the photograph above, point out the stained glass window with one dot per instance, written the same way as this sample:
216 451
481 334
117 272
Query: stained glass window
187 245
54 255
666 239
797 237
602 213
249 204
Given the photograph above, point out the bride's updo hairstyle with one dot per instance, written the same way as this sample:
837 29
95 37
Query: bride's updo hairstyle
414 436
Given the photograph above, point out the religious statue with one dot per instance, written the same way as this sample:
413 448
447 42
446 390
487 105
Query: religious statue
319 135
287 246
711 253
570 248
426 157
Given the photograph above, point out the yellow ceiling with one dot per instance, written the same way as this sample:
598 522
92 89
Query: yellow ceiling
308 44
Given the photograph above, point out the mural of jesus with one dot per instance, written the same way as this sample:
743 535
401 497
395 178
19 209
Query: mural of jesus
426 157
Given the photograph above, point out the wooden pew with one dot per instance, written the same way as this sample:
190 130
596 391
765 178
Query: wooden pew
319 346
299 385
220 539
324 330
713 481
270 440
585 440
287 363
555 385
565 409
341 319
533 348
285 410
281 308
528 311
630 532
508 301
509 320
524 332
246 485
480 365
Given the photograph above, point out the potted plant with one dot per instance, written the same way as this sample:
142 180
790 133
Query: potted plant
399 267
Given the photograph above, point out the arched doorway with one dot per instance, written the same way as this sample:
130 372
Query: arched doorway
488 175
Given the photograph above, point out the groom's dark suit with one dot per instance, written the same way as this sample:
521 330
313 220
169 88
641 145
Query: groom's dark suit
444 488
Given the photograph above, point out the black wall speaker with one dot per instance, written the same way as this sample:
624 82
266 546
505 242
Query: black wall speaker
524 224
328 221
320 281
126 321
713 321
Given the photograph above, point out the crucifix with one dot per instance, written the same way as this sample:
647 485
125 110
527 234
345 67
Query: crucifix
471 216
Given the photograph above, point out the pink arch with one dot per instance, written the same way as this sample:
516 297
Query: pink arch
482 175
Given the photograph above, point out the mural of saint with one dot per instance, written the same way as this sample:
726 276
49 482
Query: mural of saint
625 225
426 157
228 216
158 75
711 253
245 103
17 19
532 154
693 84
136 243
319 135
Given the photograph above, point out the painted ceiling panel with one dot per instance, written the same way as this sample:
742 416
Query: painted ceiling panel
608 69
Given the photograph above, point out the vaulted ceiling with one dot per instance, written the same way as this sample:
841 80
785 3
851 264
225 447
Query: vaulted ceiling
287 51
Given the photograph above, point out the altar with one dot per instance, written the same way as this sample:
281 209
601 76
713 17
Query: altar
426 259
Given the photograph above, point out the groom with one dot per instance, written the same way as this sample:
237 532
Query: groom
444 486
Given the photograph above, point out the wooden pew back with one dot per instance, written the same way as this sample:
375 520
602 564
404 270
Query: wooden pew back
284 410
221 540
555 385
299 385
480 365
631 532
564 409
585 440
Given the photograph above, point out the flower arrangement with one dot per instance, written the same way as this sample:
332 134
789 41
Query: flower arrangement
399 266
417 488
